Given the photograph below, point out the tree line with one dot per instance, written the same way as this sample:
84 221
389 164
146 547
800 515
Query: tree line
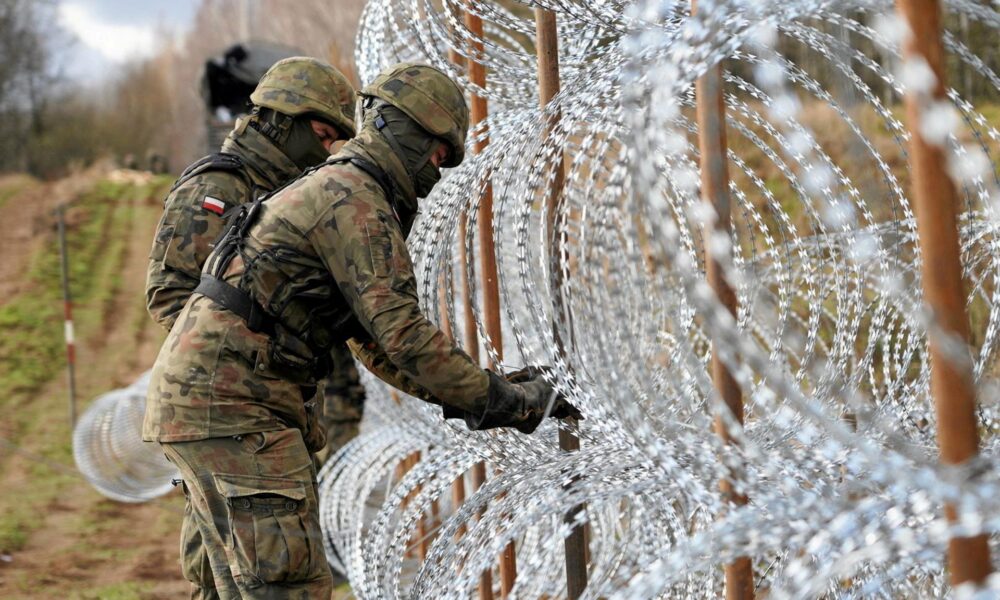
50 124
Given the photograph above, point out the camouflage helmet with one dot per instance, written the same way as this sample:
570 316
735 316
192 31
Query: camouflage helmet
430 98
301 85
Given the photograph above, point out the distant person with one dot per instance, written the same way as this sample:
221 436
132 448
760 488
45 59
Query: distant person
320 263
301 106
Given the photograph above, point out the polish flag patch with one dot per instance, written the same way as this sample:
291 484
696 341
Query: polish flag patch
213 204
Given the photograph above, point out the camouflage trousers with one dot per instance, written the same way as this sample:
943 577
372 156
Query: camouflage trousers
343 403
251 522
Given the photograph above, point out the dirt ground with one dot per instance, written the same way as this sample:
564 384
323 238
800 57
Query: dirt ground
82 545
58 537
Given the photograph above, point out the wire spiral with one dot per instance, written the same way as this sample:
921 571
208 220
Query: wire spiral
838 456
109 451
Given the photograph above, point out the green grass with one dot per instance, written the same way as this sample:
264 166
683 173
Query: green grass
13 533
129 590
19 519
32 350
13 185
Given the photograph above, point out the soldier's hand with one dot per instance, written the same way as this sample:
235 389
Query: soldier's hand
522 404
539 397
525 374
561 408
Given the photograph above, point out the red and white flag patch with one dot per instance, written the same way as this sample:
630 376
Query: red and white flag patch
214 204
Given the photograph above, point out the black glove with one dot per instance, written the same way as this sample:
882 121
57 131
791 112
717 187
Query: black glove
561 409
521 405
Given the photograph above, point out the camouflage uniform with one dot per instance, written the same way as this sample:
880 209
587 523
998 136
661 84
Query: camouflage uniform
252 511
189 226
323 261
343 403
192 221
329 260
193 218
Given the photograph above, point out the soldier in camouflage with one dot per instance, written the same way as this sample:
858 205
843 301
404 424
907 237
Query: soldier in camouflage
322 262
301 107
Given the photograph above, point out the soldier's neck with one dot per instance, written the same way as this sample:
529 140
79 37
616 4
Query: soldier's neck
370 145
269 167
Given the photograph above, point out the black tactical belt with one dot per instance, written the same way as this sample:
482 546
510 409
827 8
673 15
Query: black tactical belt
237 302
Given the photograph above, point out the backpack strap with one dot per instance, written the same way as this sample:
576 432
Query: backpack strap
219 161
237 302
240 302
378 175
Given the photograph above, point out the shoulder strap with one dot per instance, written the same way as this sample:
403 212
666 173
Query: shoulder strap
378 175
219 161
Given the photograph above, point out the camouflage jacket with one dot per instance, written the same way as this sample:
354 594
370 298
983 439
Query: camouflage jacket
326 251
193 218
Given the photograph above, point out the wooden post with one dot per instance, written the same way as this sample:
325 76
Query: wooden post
67 314
711 115
935 203
488 269
547 47
478 471
486 579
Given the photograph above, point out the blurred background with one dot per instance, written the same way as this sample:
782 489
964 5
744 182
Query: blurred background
82 80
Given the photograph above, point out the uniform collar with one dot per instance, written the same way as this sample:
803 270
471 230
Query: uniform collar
269 167
371 146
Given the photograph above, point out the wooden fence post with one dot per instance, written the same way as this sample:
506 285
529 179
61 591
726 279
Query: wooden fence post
713 148
67 313
547 48
935 203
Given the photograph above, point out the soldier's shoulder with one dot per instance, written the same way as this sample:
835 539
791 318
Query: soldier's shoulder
333 186
225 186
228 182
346 179
357 212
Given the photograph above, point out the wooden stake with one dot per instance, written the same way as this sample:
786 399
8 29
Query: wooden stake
488 270
935 203
711 114
547 44
68 314
486 579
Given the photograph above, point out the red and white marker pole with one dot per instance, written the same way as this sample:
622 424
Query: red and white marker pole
68 315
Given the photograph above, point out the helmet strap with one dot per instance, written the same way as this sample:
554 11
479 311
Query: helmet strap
272 124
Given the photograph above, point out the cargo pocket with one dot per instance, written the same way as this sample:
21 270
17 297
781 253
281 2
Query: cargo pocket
272 538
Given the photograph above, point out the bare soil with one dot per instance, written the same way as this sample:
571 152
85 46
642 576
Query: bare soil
82 545
59 538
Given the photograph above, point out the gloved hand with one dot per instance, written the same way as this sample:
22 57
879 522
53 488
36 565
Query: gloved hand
561 409
521 405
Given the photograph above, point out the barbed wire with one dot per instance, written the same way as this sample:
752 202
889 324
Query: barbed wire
829 345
